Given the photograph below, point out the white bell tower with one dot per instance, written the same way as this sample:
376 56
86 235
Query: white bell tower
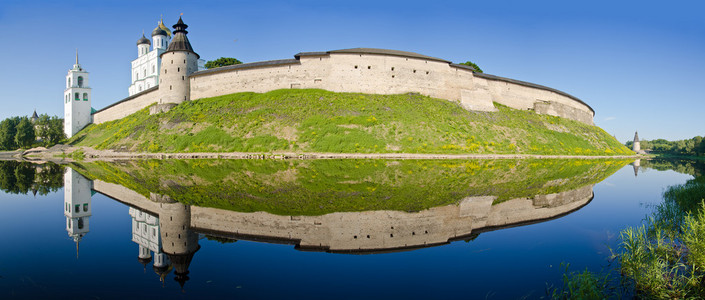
77 205
77 100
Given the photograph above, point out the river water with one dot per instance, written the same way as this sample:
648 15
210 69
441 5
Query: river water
336 229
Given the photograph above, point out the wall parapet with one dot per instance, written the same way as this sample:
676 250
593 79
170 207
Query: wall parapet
268 63
142 93
528 84
127 106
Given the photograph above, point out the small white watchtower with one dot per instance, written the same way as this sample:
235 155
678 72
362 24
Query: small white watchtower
77 100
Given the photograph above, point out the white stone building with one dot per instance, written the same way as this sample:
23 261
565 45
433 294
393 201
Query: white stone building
77 100
145 69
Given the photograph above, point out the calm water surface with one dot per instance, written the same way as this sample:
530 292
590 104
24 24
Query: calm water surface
315 229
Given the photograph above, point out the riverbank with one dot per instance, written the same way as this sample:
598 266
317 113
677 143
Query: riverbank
67 153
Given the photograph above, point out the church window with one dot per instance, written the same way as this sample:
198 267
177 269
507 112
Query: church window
172 61
153 69
69 223
80 223
80 81
144 72
77 208
178 69
85 96
68 83
164 70
75 97
85 207
183 78
170 88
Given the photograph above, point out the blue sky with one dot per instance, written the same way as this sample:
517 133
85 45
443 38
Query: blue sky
639 64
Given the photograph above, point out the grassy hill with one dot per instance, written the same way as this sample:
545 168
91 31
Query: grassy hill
321 121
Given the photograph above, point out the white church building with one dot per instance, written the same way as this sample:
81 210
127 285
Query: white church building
144 72
145 68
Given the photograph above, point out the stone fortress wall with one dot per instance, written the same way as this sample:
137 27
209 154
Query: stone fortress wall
367 231
371 71
127 106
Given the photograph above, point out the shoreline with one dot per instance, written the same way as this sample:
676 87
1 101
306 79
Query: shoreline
64 153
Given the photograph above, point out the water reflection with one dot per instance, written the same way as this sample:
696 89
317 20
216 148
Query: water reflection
166 226
20 177
77 205
147 234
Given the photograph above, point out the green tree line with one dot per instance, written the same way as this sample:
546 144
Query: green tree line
21 132
222 62
690 147
22 177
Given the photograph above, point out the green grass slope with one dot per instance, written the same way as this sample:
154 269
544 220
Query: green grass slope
321 121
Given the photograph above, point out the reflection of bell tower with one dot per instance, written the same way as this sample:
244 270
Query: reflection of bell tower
77 204
179 242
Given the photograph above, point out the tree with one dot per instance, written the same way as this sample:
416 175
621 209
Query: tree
25 133
8 130
473 65
222 62
50 129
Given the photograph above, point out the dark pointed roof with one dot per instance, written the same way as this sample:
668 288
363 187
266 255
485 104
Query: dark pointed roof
636 136
143 40
181 263
34 115
180 41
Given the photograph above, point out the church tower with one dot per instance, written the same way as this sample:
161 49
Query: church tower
636 147
77 100
178 62
77 204
145 68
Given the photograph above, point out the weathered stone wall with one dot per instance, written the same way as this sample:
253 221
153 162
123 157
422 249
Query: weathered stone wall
374 73
127 106
370 73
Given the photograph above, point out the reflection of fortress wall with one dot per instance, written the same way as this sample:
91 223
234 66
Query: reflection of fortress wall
379 230
125 195
542 207
349 231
